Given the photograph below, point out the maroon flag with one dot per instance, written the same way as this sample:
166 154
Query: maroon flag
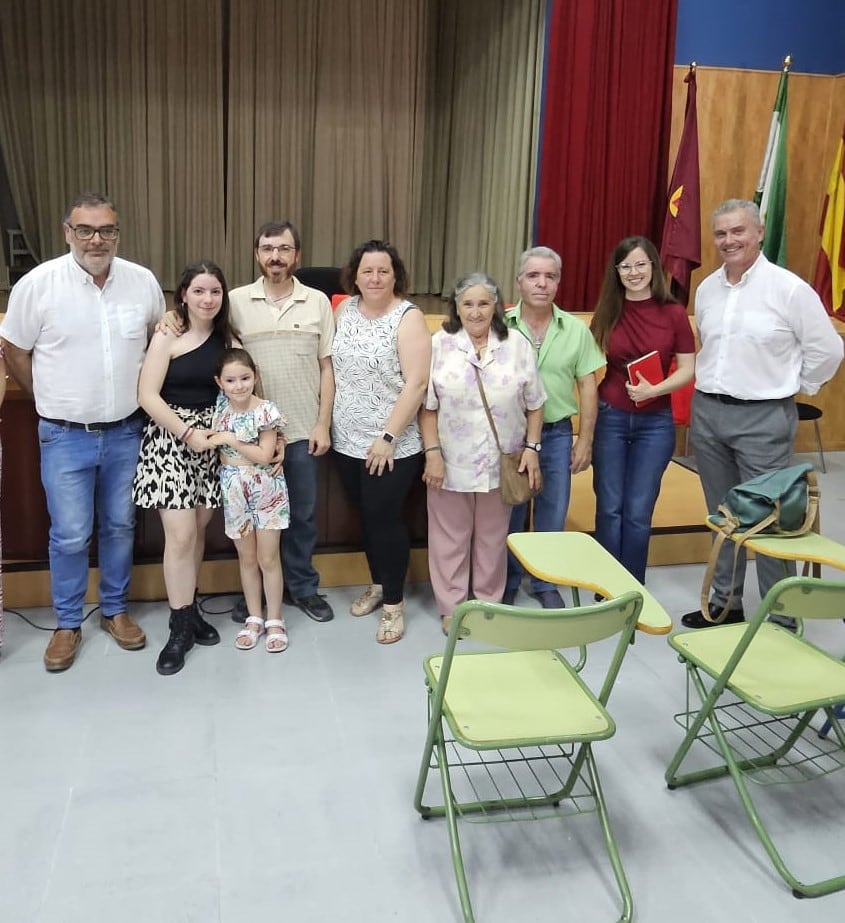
680 248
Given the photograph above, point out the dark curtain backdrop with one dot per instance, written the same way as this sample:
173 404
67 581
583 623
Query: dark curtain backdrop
605 134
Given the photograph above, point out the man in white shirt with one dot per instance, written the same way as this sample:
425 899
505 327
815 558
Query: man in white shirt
765 336
75 334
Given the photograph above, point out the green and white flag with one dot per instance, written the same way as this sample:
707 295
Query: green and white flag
771 188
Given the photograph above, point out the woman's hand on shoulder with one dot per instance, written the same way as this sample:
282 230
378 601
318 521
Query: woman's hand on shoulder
170 324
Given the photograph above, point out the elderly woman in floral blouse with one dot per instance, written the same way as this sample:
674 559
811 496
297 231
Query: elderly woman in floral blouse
467 520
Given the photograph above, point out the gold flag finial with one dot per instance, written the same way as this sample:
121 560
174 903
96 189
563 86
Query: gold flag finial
692 67
787 63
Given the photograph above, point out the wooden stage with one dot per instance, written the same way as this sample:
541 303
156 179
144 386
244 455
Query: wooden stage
679 536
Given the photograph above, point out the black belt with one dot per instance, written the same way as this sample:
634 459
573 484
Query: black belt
548 426
96 427
727 399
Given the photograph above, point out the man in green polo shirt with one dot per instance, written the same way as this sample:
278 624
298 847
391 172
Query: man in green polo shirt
567 355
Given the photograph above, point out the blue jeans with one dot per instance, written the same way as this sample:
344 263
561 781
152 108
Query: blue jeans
300 539
82 471
552 503
630 454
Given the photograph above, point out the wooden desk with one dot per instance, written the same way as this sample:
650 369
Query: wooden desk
576 559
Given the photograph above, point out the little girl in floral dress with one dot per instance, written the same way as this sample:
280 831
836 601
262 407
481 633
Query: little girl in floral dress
255 495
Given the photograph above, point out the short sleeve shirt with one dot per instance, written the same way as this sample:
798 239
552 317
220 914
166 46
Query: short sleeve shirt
87 343
287 342
568 352
512 386
644 326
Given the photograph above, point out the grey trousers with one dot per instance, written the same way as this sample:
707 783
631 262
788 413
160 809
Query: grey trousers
732 443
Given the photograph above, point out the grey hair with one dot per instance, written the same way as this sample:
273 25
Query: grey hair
543 253
477 278
733 205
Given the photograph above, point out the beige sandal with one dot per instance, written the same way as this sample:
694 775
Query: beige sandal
277 636
368 601
247 637
391 628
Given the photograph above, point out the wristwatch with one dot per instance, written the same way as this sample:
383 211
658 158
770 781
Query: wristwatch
533 445
388 437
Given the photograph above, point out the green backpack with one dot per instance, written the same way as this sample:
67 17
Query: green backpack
783 502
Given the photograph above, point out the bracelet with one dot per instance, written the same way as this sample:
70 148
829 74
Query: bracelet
432 448
186 435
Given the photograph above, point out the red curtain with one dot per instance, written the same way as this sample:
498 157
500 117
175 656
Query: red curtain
605 134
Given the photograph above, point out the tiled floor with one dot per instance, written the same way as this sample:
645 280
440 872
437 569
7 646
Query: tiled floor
252 788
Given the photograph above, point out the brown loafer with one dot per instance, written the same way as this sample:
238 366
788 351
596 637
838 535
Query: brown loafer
61 651
125 631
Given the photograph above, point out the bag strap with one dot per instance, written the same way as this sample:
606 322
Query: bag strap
811 523
725 532
487 407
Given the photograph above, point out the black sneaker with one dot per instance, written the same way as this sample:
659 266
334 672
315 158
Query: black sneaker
696 618
315 607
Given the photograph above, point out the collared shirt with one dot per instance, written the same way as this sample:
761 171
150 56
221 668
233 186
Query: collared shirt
765 338
286 341
568 352
512 387
87 343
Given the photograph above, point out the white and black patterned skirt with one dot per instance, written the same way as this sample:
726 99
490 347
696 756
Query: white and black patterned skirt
171 476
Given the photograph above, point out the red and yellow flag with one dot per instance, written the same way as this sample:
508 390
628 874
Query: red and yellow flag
680 247
829 280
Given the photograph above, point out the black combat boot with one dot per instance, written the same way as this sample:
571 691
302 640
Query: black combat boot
181 640
204 632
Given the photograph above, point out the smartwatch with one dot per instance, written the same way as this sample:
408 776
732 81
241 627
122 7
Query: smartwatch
388 437
533 445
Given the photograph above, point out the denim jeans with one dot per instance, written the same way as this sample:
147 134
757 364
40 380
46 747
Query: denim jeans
300 539
82 471
551 505
630 454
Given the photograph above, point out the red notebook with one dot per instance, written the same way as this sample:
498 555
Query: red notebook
650 368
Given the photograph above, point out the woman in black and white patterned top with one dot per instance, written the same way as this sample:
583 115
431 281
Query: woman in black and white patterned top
381 356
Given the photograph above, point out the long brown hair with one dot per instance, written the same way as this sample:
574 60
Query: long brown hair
221 325
608 308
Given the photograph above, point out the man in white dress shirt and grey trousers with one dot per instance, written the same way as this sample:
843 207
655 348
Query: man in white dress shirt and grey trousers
765 336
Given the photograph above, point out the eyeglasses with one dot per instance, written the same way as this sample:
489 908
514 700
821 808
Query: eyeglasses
267 250
625 269
86 232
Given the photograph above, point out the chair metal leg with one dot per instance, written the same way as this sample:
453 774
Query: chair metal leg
610 841
819 443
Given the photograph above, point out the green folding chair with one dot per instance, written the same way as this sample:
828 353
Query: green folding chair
759 687
510 731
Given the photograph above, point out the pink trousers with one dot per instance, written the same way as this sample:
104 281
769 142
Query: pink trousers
466 542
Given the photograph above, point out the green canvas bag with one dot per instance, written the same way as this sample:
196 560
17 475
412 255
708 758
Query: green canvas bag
784 502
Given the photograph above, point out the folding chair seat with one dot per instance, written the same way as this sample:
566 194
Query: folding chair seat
510 731
759 686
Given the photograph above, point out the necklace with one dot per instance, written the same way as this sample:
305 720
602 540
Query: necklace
537 337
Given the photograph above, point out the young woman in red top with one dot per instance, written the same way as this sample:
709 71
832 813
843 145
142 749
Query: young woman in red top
635 434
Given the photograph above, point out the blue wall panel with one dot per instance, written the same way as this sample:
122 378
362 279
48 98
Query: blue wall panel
757 34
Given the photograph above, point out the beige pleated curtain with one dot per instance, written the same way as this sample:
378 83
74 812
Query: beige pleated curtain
415 121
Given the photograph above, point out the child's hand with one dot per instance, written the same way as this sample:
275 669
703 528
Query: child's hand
218 439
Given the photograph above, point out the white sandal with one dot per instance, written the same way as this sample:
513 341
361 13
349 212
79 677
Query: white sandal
368 601
276 641
247 638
